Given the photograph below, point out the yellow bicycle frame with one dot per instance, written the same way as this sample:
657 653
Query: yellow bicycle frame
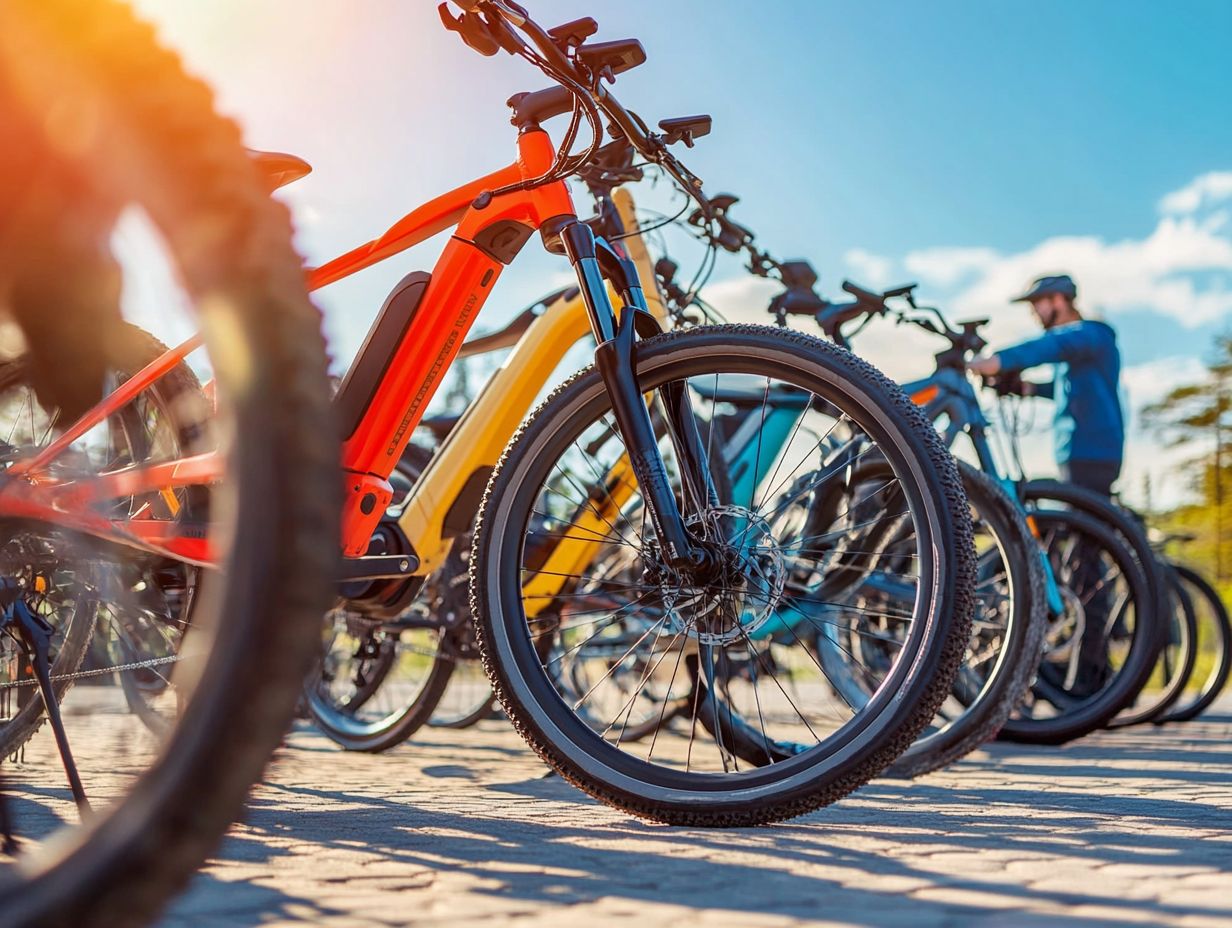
460 468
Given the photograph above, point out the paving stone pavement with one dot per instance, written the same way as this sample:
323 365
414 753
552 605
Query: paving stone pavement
1122 828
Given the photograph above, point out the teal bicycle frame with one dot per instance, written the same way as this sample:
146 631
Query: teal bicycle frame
753 448
948 394
755 445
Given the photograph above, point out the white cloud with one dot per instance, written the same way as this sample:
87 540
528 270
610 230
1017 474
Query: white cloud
1149 457
868 269
945 267
743 299
1206 189
1182 269
1152 381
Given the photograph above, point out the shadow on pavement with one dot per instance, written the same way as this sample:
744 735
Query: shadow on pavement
855 862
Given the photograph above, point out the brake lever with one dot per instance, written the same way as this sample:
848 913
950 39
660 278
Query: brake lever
514 12
760 263
686 178
474 29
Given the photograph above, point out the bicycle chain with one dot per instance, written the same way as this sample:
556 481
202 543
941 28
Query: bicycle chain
97 671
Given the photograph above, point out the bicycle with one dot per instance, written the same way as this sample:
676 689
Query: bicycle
947 397
371 698
1080 686
100 118
1213 644
593 456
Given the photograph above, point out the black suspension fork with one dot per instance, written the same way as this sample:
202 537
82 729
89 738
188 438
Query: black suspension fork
615 357
686 436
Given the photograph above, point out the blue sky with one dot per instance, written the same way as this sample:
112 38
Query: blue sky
970 145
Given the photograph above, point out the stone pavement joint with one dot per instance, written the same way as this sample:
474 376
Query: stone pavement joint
1132 827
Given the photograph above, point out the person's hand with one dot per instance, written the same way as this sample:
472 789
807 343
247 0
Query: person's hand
986 367
1011 384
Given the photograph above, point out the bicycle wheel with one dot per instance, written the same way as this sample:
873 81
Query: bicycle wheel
560 500
1176 660
1214 649
1007 636
141 134
161 423
468 699
646 698
380 679
1094 651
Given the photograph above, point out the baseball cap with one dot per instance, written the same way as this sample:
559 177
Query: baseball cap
1043 286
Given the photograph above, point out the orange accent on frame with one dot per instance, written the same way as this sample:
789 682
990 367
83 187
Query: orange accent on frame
461 281
1035 532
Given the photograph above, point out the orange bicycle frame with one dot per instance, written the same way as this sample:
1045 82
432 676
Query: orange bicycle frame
404 373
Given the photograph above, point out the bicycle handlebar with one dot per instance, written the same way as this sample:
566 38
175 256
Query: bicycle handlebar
864 296
490 25
835 315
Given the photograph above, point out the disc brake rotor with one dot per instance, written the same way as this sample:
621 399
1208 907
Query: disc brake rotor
750 584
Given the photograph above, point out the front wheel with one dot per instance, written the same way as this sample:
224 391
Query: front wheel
1214 647
1098 650
1007 636
1177 658
567 559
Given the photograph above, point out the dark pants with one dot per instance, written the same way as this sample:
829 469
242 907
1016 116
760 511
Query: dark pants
1089 583
1097 476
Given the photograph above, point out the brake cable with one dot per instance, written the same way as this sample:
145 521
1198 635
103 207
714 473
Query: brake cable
709 261
868 317
1010 432
658 225
565 165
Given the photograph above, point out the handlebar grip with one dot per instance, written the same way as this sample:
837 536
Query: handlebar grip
862 295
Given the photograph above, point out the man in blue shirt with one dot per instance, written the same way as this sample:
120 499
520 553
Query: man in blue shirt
1089 424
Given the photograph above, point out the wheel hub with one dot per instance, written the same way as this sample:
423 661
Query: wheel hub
739 584
1065 631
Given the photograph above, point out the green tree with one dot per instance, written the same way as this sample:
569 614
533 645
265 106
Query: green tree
1201 414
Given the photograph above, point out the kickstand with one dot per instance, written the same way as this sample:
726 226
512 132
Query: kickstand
35 634
8 843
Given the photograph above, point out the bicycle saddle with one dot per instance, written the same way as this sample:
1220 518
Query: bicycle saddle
279 168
